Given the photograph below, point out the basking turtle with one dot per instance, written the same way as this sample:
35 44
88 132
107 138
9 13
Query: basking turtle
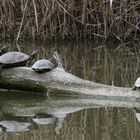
43 65
137 84
3 50
12 59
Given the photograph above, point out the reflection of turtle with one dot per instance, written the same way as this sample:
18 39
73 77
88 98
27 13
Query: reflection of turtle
12 59
43 65
3 50
137 84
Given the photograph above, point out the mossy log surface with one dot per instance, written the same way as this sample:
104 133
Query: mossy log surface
58 82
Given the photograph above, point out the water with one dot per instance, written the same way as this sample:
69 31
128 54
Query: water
64 119
71 118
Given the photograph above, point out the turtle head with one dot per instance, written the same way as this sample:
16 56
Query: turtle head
3 49
33 55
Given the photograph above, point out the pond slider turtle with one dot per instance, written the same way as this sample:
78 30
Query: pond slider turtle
3 50
43 65
137 84
12 59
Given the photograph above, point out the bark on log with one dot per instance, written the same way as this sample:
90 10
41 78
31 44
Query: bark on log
59 82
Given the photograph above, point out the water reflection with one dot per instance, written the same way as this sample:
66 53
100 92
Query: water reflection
14 126
77 119
43 118
67 119
95 123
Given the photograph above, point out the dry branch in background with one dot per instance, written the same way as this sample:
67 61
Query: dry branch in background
74 19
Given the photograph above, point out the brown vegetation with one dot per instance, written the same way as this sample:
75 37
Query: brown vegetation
71 19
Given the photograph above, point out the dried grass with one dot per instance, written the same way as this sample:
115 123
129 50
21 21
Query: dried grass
69 19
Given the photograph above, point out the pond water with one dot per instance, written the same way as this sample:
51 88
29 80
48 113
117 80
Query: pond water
36 118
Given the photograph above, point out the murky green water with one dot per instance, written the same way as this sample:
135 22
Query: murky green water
36 118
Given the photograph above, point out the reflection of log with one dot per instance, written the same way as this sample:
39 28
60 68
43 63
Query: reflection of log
58 81
56 107
53 111
76 125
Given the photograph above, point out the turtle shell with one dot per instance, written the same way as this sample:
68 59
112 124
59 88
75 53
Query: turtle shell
137 83
43 65
13 58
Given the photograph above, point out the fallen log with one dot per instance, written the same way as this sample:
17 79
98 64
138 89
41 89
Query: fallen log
58 81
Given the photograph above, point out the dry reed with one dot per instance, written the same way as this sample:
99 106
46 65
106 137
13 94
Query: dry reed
69 19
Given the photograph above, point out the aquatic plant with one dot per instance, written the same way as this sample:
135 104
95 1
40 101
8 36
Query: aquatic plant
69 19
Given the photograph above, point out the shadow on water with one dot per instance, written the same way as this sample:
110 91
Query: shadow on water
71 118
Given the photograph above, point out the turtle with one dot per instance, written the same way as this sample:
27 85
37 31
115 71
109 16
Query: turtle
13 59
137 84
3 50
43 65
